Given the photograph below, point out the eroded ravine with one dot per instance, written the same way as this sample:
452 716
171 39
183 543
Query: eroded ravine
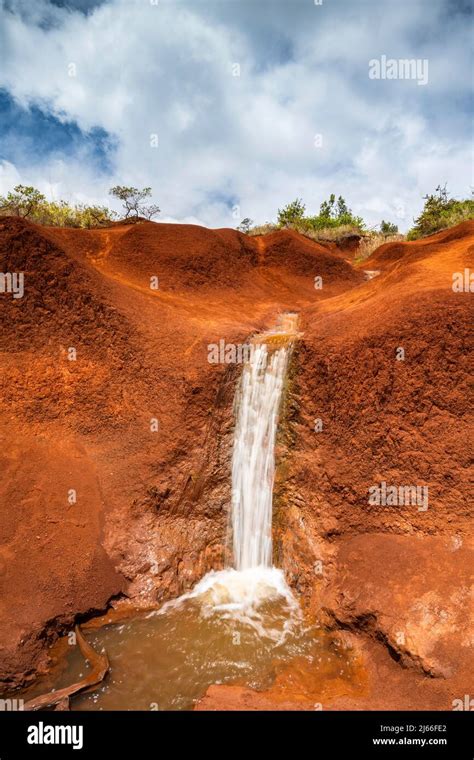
151 520
240 625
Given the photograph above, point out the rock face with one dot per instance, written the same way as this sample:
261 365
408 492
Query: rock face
118 431
400 573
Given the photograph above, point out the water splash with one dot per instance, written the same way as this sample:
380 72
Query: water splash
257 598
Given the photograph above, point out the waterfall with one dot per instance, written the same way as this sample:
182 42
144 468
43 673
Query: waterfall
239 591
253 461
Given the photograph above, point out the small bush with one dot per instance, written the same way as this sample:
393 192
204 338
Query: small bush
292 214
333 214
440 212
387 228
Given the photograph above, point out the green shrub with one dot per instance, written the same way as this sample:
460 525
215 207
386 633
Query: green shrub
291 214
24 201
387 228
440 212
61 214
332 214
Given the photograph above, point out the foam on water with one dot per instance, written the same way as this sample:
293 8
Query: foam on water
246 597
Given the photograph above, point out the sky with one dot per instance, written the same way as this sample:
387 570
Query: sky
231 109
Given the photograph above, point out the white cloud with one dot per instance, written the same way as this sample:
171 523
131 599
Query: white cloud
143 69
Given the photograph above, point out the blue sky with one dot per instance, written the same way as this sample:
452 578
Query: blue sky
30 135
86 86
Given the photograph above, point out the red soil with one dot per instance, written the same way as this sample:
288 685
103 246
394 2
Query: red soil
152 507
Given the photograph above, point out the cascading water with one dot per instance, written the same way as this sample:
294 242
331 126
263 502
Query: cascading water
253 461
242 588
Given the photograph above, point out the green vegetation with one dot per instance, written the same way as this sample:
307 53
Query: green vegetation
332 214
387 228
23 201
27 202
334 221
132 200
440 212
336 214
292 214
